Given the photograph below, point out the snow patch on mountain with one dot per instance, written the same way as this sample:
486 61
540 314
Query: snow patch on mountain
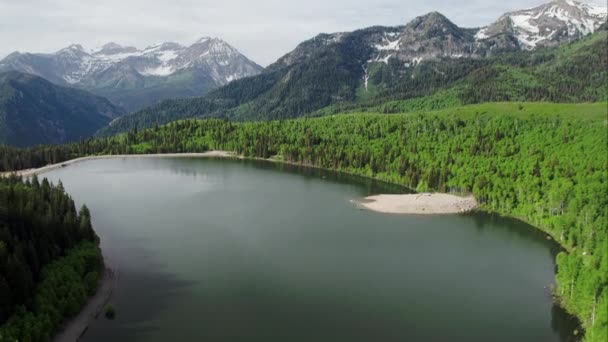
550 23
482 34
163 70
166 56
75 65
387 45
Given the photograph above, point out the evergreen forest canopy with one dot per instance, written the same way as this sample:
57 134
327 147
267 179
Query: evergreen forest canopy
50 261
544 163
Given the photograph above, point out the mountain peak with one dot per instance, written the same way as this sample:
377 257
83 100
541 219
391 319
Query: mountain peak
206 40
111 45
433 15
548 24
113 48
431 21
73 47
433 25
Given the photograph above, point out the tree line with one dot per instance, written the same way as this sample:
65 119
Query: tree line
544 163
50 261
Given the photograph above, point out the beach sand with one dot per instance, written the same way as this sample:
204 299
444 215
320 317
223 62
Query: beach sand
425 203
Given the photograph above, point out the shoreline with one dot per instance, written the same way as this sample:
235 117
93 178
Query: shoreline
419 204
51 167
228 154
74 328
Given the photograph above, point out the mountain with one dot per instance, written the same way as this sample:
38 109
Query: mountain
35 111
427 55
134 78
549 24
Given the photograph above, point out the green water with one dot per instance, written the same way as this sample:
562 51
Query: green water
223 250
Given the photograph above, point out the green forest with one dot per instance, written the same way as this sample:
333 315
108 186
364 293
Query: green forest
50 261
544 163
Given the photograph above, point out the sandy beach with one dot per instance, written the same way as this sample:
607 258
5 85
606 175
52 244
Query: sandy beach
424 204
47 168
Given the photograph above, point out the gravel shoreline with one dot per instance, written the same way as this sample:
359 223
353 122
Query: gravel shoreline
421 204
73 329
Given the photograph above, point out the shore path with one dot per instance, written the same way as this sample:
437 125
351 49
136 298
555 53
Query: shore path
74 328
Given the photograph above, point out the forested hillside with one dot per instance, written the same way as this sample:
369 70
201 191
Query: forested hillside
50 261
541 162
34 111
333 76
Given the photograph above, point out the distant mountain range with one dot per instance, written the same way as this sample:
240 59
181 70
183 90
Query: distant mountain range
134 78
515 58
34 111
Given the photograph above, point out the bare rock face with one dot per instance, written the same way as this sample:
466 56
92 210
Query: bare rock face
426 37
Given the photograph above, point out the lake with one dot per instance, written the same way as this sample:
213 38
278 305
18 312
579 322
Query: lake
232 250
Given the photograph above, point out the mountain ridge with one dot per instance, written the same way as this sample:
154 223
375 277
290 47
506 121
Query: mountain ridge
427 55
35 111
134 78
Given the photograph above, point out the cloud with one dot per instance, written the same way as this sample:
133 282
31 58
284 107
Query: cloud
263 30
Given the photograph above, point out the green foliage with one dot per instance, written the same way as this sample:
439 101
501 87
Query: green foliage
49 259
62 291
110 312
545 163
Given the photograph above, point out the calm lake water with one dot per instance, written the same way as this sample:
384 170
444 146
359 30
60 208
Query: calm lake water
227 250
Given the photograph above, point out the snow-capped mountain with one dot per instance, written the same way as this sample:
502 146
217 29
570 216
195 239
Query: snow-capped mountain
134 78
433 36
426 56
547 25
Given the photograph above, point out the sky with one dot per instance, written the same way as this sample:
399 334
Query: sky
263 30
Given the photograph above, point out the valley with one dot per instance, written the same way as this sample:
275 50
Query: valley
423 181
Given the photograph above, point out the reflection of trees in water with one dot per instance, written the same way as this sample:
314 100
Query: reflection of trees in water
140 295
565 325
484 221
194 166
134 308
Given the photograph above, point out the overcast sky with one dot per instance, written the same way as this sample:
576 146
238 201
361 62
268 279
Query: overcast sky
261 29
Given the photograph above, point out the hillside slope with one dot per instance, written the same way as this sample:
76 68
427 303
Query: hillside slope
35 111
309 79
